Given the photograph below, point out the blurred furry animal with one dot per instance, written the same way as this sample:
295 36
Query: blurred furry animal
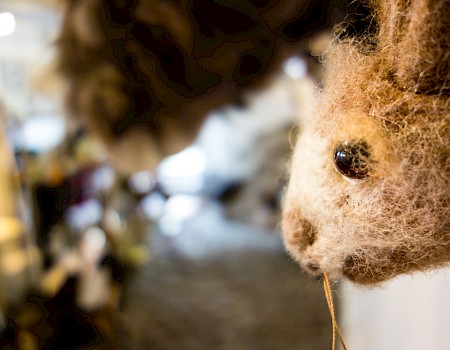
369 192
143 74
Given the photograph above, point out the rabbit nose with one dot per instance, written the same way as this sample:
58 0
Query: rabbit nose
309 233
299 233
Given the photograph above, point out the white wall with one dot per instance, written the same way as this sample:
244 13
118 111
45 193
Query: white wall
411 312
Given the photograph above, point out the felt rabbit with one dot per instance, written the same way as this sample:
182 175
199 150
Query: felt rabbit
369 190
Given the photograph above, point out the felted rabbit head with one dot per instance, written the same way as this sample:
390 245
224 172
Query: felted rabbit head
369 190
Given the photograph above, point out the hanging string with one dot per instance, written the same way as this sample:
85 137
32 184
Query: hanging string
329 296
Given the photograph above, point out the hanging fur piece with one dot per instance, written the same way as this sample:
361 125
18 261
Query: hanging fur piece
143 74
369 193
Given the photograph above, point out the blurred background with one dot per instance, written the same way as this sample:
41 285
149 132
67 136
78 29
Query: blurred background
185 256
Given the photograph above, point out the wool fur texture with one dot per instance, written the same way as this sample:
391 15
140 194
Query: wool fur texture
143 74
369 191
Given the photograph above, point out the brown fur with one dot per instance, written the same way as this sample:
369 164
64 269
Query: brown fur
395 97
143 74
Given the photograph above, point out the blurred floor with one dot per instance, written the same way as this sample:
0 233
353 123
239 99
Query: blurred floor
223 285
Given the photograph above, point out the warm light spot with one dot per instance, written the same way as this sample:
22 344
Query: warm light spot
13 262
10 229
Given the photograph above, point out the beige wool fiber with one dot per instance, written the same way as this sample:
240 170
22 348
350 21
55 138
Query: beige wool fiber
394 96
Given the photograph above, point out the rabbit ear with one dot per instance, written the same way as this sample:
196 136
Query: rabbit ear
415 35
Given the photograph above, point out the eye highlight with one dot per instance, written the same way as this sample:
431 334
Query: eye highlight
351 159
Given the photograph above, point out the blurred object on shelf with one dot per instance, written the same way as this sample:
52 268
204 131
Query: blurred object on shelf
57 322
90 237
75 193
19 257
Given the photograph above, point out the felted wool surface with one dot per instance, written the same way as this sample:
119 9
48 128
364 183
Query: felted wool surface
143 74
369 192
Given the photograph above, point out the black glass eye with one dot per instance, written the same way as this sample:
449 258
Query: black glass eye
352 159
